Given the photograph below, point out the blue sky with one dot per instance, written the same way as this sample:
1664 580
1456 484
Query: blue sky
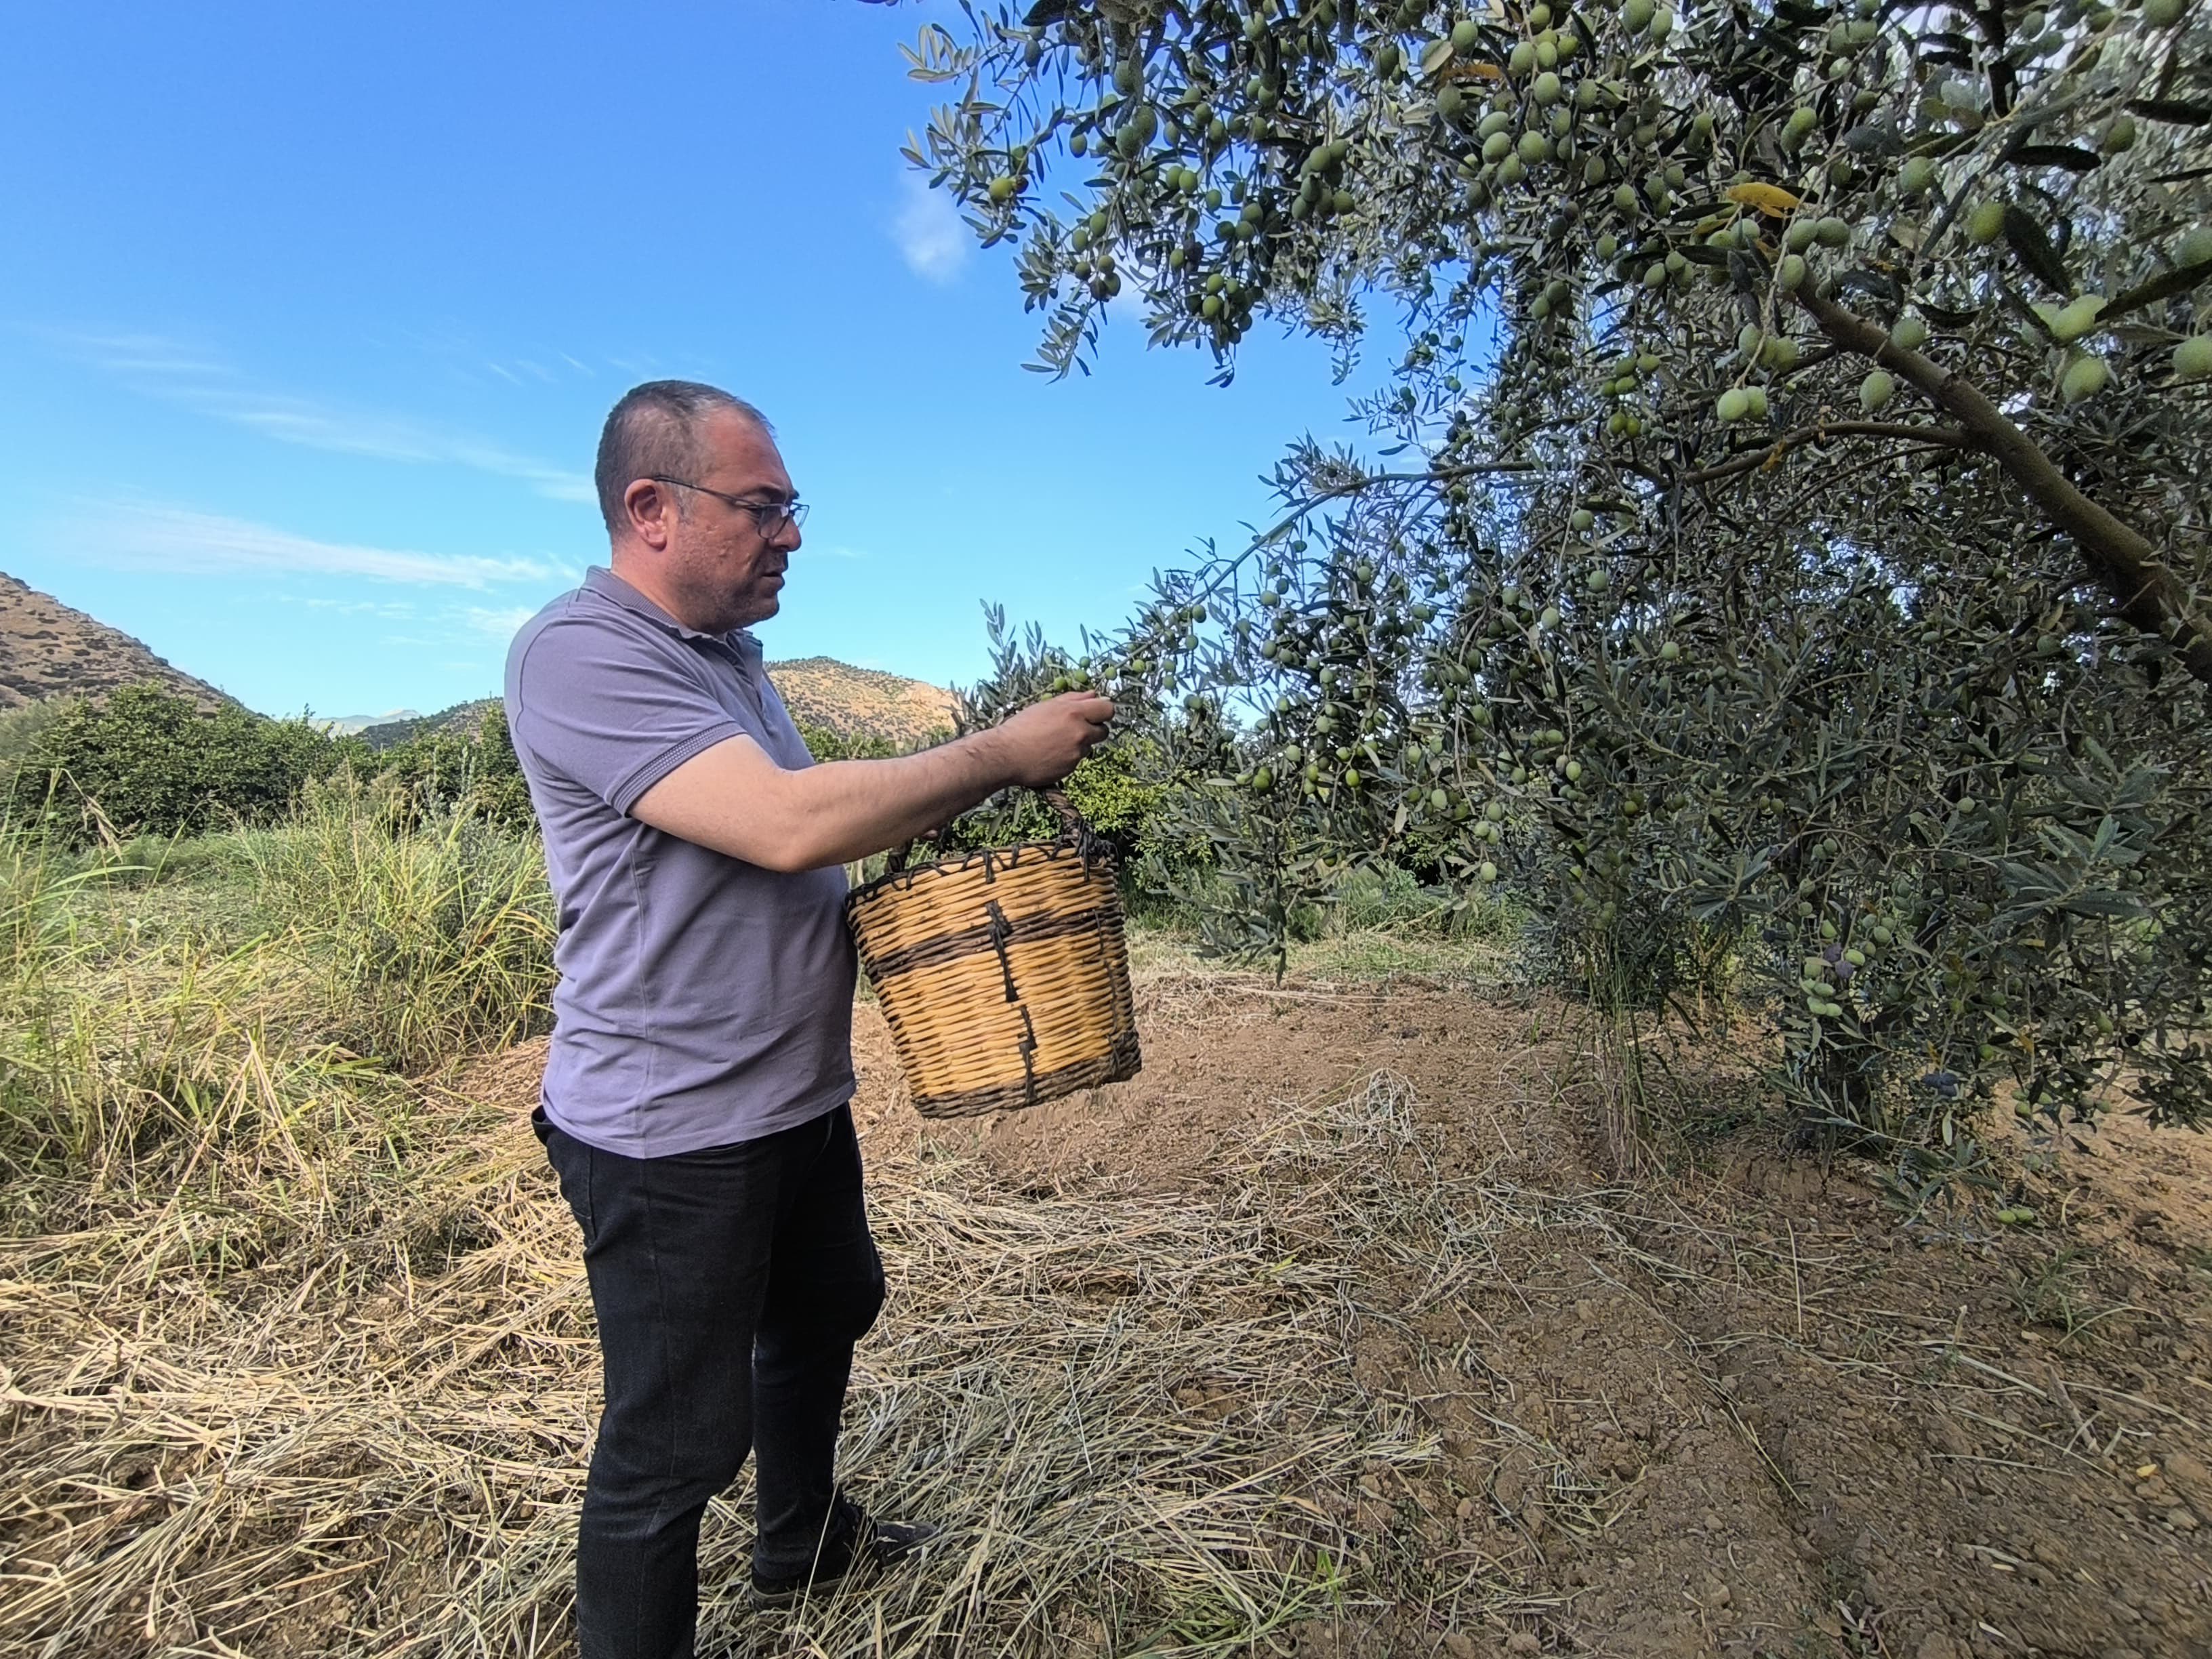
312 314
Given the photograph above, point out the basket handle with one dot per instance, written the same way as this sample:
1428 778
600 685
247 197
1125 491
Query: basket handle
1073 829
1073 832
904 850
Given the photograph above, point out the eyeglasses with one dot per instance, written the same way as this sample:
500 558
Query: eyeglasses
768 517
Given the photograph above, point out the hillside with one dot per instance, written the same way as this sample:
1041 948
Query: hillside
345 726
863 701
819 690
49 650
390 733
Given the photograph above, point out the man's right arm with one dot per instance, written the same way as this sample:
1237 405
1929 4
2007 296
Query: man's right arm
734 799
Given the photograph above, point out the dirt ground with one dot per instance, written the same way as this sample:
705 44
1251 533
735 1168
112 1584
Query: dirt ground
1739 1408
1337 1332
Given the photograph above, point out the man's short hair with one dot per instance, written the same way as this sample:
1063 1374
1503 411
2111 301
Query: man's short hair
655 431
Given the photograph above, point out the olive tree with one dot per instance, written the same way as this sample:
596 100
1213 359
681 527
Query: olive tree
1786 526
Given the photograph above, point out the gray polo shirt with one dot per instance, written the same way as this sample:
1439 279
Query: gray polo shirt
702 1000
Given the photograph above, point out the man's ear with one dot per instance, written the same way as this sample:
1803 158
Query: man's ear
651 509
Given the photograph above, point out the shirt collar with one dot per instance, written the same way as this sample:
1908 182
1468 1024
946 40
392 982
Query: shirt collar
599 579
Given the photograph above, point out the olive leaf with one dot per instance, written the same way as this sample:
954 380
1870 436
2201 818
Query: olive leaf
2034 251
2172 110
2072 157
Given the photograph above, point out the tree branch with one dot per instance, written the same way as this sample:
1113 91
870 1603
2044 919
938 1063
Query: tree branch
2123 561
1770 453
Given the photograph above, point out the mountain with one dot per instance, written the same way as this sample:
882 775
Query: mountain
854 703
863 701
48 650
346 725
461 717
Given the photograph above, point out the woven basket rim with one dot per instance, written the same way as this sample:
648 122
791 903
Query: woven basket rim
1100 854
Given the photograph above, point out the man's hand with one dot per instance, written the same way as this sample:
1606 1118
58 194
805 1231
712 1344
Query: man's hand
1042 743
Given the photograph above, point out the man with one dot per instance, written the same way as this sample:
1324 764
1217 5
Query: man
695 1103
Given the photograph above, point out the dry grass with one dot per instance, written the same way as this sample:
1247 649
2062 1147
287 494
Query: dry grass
1132 1412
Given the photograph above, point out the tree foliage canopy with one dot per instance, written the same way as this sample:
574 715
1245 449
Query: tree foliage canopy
144 760
1788 524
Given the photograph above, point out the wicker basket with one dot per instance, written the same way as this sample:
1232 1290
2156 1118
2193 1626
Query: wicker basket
1005 974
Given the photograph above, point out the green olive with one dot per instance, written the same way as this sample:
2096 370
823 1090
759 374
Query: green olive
2077 318
2085 377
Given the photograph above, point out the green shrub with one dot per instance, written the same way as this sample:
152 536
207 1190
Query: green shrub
147 760
1385 896
450 769
22 731
826 744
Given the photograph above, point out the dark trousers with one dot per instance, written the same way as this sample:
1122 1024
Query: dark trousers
731 1285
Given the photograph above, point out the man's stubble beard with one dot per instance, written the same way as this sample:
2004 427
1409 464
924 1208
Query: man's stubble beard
726 611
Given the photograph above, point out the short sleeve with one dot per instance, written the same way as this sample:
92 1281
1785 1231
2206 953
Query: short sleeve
611 711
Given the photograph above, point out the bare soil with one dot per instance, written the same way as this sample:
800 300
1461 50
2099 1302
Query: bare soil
1739 1408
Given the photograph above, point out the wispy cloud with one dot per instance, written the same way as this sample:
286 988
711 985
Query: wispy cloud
931 237
146 353
207 544
389 610
201 379
1129 304
500 623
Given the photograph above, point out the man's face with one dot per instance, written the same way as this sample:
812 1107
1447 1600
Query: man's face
725 573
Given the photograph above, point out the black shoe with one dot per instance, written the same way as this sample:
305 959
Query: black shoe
866 1545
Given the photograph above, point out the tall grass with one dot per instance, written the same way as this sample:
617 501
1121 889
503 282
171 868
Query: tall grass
245 1020
150 1057
1386 898
39 1115
431 934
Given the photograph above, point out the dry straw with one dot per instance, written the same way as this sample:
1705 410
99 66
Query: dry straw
1134 1412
